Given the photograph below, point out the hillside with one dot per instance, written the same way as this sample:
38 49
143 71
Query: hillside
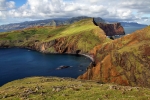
123 61
79 37
53 88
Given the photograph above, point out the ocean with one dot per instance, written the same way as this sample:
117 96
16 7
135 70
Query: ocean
2 31
16 63
129 30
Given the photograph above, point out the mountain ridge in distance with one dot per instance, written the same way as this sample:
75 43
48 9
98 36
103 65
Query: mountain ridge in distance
46 22
59 22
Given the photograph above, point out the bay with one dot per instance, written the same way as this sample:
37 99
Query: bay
16 63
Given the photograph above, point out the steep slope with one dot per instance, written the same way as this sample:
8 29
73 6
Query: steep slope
124 61
79 37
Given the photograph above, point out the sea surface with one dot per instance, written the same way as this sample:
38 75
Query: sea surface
129 30
2 31
16 63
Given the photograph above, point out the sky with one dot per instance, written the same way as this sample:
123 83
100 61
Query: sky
13 11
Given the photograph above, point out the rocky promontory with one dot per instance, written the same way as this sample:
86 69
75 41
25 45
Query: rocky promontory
111 29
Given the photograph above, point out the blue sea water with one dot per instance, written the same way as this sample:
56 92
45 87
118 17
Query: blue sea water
16 63
129 30
1 30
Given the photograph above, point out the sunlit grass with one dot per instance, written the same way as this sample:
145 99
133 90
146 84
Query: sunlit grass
82 35
53 88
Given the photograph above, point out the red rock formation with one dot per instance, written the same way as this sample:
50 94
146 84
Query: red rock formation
111 29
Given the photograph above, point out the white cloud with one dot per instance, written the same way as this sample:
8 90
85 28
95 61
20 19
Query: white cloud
139 5
2 5
94 1
6 5
122 10
72 7
10 4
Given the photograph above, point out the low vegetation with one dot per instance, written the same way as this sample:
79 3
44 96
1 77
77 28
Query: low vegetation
53 88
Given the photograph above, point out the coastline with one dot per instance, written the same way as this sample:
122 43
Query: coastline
88 56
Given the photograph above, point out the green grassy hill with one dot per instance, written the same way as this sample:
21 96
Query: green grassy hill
82 35
53 88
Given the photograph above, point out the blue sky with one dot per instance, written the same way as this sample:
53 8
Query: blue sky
18 3
12 11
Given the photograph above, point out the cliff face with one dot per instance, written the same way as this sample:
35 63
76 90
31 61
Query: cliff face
111 29
69 44
123 61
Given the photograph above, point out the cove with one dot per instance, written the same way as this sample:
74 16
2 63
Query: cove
16 63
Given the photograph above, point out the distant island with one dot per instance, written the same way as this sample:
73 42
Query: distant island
132 24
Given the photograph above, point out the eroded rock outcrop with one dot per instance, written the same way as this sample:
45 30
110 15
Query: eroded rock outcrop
124 61
111 29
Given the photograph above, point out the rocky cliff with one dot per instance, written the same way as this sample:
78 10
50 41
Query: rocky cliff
111 29
123 61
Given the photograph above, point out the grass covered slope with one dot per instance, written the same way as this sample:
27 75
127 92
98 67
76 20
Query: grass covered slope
124 61
82 36
53 88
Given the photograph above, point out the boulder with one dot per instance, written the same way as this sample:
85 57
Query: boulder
62 67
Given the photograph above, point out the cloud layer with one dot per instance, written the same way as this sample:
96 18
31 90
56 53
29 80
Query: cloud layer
118 10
